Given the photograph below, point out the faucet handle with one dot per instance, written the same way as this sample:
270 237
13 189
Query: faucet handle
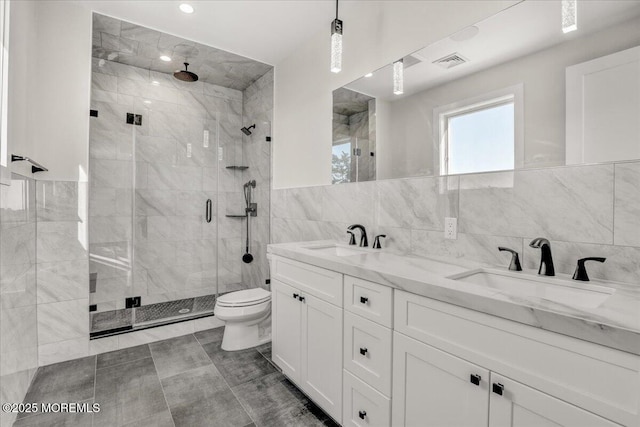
514 265
352 237
581 271
376 241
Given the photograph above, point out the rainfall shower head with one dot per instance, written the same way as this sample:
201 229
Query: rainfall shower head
247 131
186 75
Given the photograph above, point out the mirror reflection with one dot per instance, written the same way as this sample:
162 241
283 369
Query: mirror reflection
513 91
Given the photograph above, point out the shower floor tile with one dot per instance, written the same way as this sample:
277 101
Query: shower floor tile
183 381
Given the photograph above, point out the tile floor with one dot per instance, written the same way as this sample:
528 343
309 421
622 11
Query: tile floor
183 381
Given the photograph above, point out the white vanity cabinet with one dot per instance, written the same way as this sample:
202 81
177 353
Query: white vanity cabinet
528 376
368 318
307 330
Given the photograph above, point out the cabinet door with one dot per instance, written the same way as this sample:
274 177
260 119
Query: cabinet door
286 329
322 354
521 406
434 388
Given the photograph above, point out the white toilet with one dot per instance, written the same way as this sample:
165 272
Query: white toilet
247 316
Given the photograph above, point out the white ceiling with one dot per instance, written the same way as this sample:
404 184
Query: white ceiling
267 31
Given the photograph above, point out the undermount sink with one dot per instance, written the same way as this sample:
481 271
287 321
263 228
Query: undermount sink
568 292
336 250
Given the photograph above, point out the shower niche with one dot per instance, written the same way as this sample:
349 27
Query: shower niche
161 190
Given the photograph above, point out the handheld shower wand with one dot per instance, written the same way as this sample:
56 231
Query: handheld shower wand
250 210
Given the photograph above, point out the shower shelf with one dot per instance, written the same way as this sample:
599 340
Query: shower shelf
236 216
241 168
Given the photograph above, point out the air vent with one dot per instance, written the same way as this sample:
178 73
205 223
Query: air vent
451 61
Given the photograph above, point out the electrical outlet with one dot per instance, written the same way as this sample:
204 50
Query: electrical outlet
451 228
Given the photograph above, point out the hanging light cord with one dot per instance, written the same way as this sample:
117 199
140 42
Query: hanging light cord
336 9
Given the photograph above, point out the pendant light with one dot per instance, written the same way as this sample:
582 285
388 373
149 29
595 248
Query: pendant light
336 43
569 16
398 77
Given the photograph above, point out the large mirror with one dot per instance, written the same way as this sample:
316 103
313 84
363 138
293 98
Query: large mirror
513 91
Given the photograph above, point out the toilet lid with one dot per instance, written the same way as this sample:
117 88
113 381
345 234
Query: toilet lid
244 298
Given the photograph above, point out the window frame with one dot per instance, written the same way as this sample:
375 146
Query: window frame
442 114
5 174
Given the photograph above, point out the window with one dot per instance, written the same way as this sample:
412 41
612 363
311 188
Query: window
341 163
481 134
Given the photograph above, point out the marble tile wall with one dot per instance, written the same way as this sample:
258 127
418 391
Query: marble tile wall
167 251
258 109
62 271
18 304
591 210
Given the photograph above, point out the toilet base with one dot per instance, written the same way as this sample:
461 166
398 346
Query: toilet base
240 336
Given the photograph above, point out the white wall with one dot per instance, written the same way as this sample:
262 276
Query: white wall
376 33
410 150
50 60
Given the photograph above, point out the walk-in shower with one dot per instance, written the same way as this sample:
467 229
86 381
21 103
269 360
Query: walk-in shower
167 167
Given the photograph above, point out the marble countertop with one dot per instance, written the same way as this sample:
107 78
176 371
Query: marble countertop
614 323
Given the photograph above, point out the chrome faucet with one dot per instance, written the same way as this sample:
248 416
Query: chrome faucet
546 261
363 234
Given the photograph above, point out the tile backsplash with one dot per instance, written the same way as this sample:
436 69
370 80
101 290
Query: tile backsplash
590 210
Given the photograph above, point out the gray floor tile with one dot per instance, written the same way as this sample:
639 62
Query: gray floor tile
128 392
201 397
265 350
241 366
123 356
272 401
70 381
56 420
178 355
162 419
210 335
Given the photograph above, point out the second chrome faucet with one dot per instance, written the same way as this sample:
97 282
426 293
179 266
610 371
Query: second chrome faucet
546 260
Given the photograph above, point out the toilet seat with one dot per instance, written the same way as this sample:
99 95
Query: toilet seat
244 298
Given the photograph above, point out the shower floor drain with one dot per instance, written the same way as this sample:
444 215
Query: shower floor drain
184 311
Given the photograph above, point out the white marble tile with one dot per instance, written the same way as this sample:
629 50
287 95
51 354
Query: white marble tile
351 203
151 202
63 350
300 203
17 285
110 229
61 200
61 321
17 244
163 177
155 334
14 359
420 203
222 92
103 345
570 203
103 82
207 323
110 173
13 388
17 202
473 247
621 265
627 204
18 328
61 241
63 280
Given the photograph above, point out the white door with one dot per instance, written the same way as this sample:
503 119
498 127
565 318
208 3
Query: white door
434 388
322 354
521 406
286 329
603 109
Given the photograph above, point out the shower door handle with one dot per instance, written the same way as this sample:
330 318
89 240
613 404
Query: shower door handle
208 209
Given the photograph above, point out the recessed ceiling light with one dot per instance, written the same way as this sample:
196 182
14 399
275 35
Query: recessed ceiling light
368 75
165 58
186 8
155 83
147 102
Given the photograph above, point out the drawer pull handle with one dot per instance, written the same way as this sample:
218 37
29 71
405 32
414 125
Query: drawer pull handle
363 351
295 296
498 388
364 300
362 414
475 379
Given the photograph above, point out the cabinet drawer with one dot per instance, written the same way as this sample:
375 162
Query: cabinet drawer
597 378
321 283
370 300
364 406
367 351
